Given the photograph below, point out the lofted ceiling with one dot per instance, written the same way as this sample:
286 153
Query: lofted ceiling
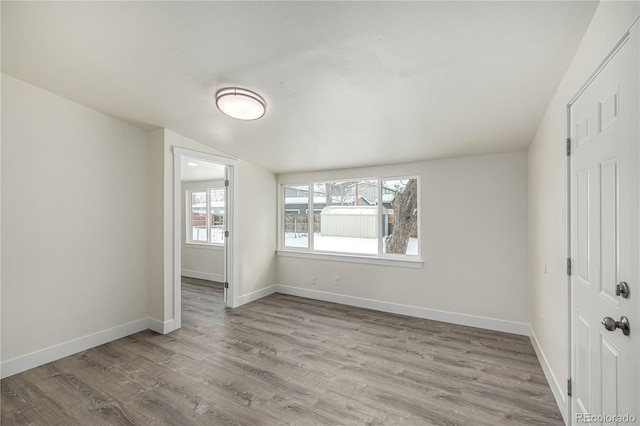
346 83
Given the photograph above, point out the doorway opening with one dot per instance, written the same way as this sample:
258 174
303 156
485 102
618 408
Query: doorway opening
203 219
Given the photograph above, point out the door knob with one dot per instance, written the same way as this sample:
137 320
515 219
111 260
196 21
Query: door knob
611 324
622 289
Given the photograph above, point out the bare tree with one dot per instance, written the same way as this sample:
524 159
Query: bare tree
342 193
405 223
327 193
338 193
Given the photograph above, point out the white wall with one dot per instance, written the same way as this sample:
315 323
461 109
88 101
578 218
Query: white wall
160 148
87 227
548 197
254 231
198 260
74 239
0 198
155 148
255 239
474 244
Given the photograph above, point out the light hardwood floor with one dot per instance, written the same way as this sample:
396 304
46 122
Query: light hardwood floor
289 360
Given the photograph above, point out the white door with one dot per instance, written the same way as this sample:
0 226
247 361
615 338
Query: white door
604 242
227 214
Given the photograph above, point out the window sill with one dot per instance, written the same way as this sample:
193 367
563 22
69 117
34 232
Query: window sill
205 246
354 258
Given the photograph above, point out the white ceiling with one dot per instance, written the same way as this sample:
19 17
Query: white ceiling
193 169
346 83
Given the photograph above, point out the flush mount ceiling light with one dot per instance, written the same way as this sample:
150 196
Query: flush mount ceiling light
240 103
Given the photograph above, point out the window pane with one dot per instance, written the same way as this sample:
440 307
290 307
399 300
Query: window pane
217 215
199 216
346 216
400 216
296 221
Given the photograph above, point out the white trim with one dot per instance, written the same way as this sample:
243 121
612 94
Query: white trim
203 275
207 246
311 221
161 327
177 237
603 64
380 219
280 218
255 295
395 308
556 389
412 311
204 156
61 350
231 269
355 258
567 412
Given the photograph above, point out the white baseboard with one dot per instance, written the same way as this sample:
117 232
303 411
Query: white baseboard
161 327
53 353
255 295
203 275
556 389
412 311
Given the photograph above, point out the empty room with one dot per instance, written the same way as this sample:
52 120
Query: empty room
320 213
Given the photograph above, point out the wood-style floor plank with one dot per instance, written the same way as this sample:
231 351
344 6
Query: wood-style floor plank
289 360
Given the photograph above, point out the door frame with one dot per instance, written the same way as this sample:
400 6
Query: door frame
230 216
574 98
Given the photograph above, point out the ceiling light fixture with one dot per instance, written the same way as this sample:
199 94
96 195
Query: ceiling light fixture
240 103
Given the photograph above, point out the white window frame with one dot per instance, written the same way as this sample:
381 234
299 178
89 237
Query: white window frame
189 216
381 258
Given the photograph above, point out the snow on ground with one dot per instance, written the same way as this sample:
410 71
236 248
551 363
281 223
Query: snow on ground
342 244
200 234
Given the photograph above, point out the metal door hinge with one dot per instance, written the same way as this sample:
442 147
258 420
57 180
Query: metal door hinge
226 234
568 147
226 284
569 266
226 182
569 383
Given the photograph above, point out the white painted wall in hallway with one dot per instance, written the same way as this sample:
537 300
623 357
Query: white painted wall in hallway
547 294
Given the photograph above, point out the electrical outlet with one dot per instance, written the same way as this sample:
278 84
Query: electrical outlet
313 280
336 281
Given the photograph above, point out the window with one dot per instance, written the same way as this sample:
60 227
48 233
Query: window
206 216
296 229
348 217
400 198
216 215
